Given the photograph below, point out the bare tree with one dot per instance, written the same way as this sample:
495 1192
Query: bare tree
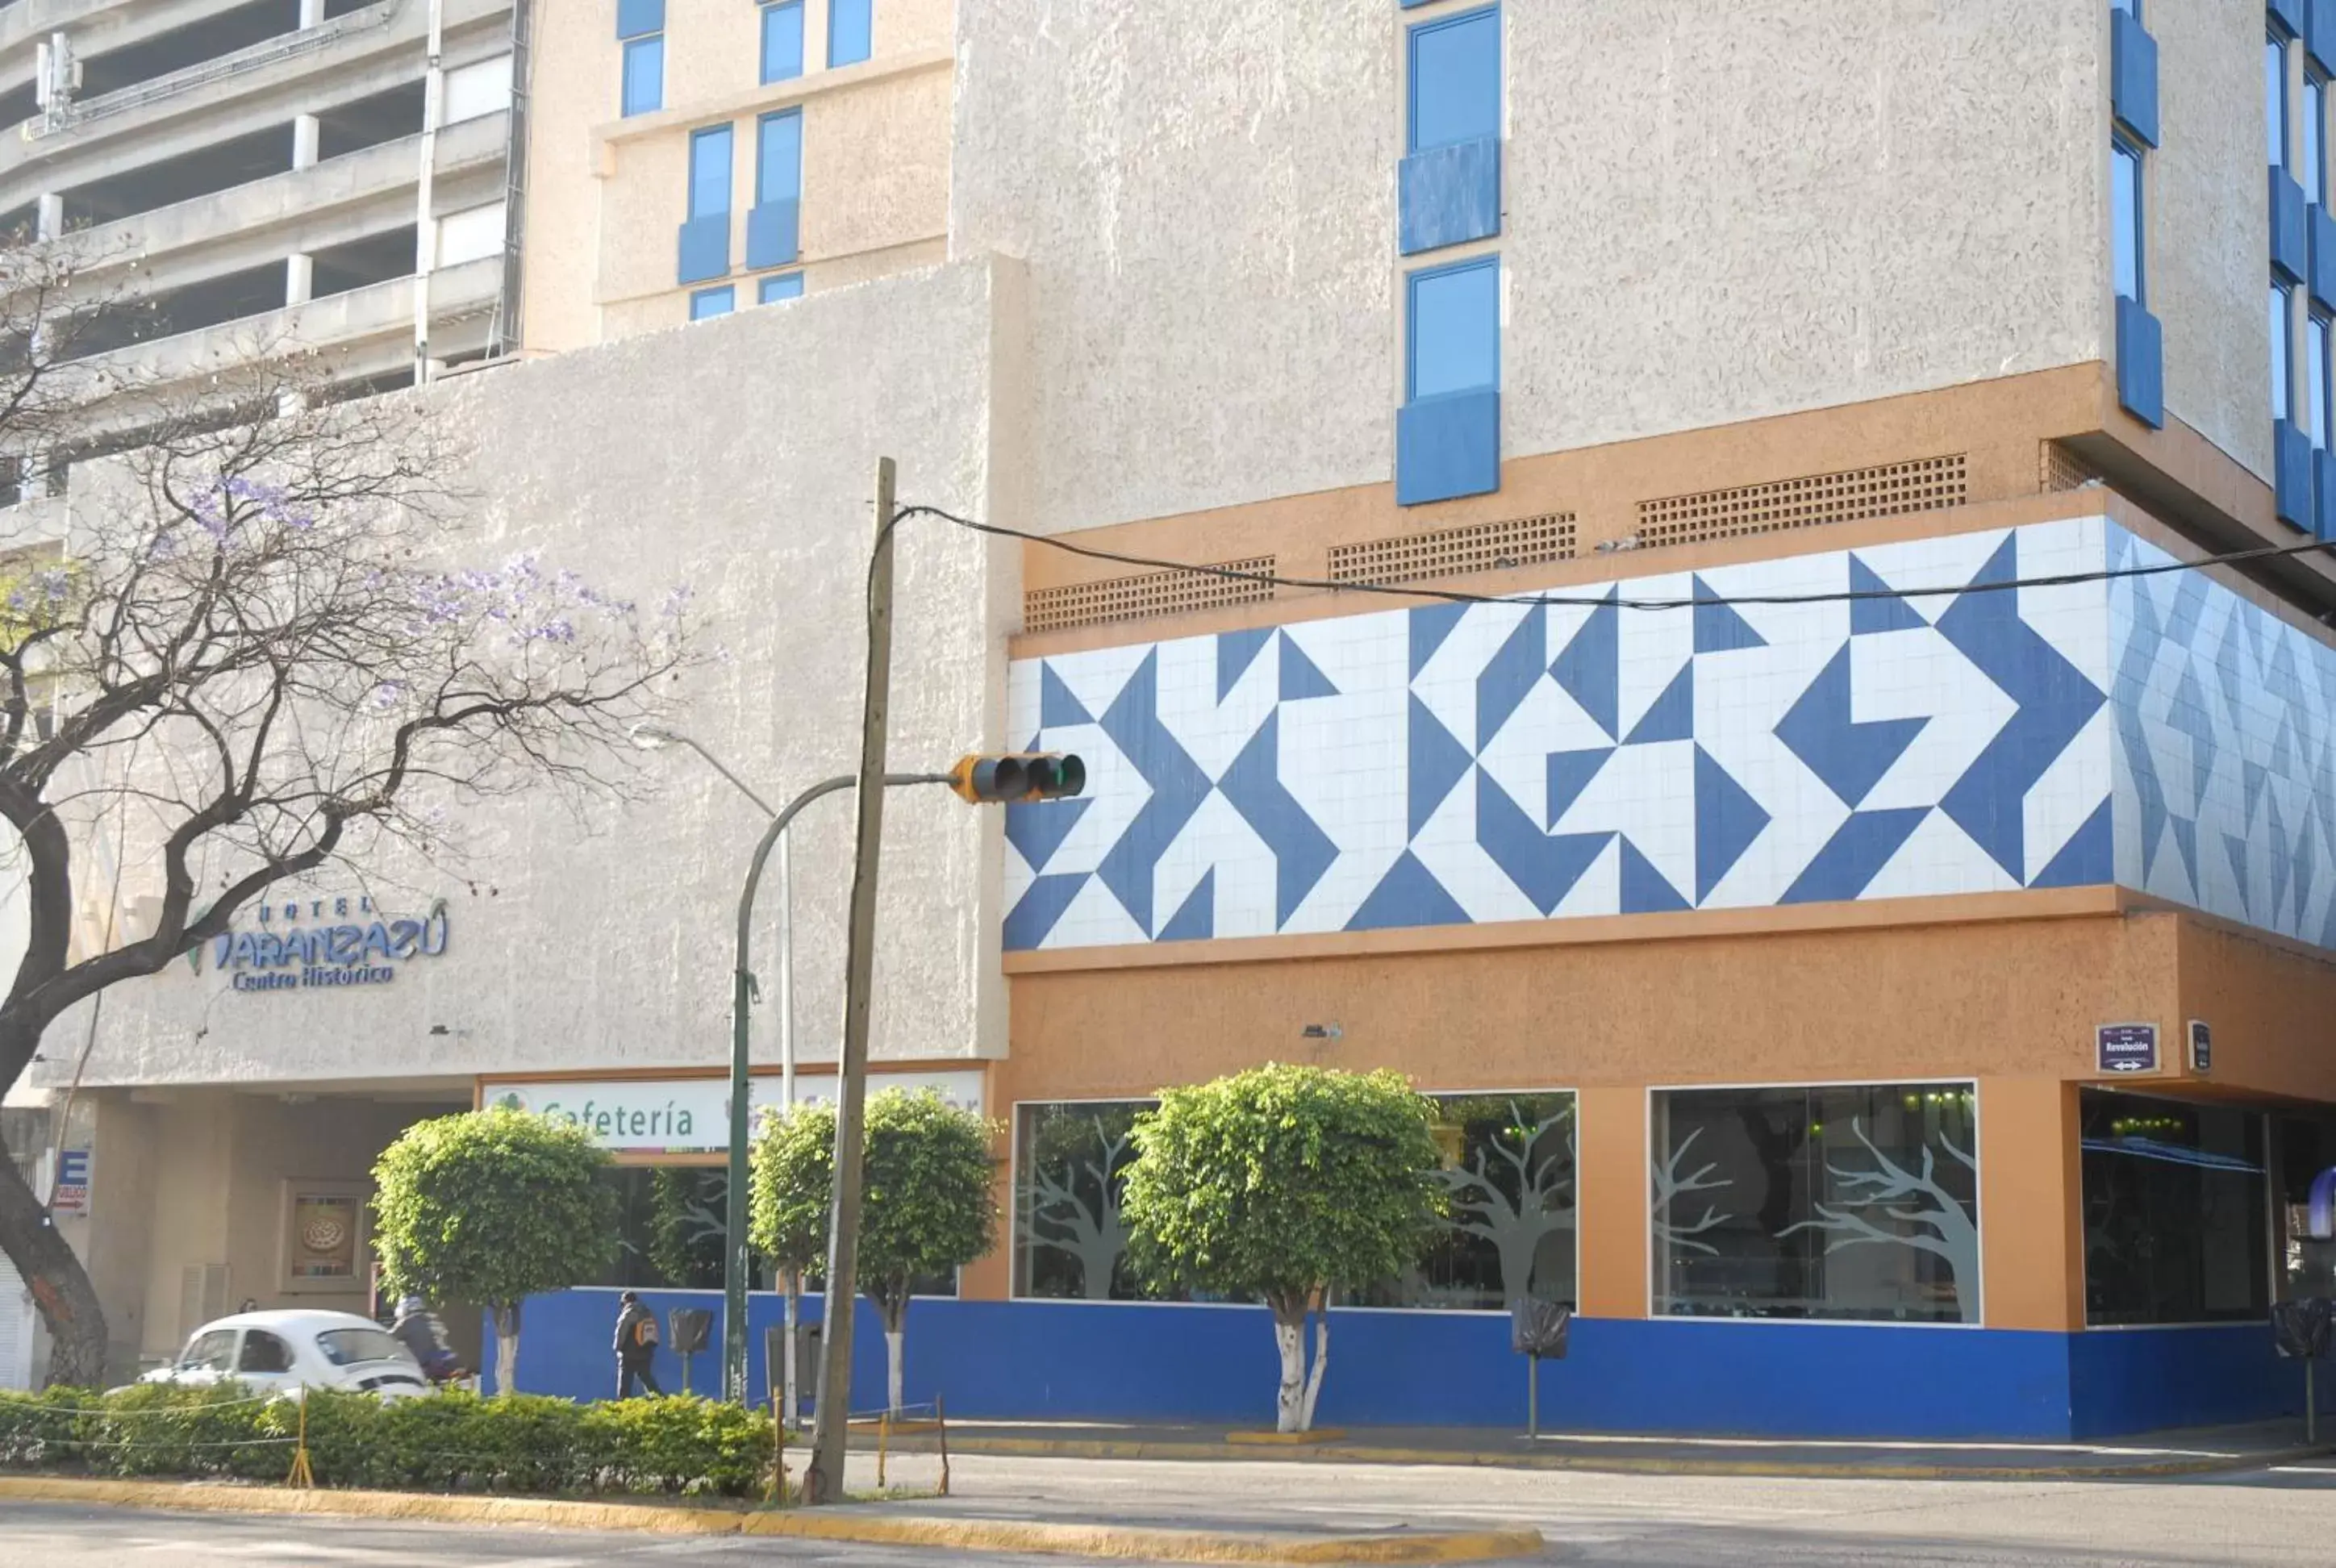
1923 1215
1670 1186
1483 1206
255 649
1061 1218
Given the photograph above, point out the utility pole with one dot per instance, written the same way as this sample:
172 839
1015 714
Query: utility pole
823 1482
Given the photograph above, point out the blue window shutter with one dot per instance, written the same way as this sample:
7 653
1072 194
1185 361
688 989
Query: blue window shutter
773 233
2133 76
1451 195
2290 231
2290 14
2291 466
2141 364
1447 447
2323 495
636 17
705 248
2320 34
2323 259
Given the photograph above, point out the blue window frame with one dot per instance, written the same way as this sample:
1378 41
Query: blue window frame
850 30
1452 340
2277 144
779 286
778 157
1456 79
2283 372
782 39
2126 220
2313 174
2316 363
644 74
709 171
709 302
2130 8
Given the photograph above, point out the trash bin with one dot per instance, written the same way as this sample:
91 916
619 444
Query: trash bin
2304 1330
1538 1331
690 1326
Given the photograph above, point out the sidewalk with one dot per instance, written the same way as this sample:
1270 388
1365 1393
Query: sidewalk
2185 1453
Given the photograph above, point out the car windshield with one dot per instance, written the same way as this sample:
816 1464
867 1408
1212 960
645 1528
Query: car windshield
348 1347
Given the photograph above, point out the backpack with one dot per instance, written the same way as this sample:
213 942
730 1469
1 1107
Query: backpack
645 1333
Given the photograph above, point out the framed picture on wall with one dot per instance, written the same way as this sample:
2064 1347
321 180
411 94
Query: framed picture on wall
324 1237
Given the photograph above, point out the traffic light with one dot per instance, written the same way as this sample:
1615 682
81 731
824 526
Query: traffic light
1018 776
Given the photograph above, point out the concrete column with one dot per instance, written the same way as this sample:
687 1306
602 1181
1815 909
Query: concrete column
304 131
50 216
2030 1204
300 277
1610 1206
312 13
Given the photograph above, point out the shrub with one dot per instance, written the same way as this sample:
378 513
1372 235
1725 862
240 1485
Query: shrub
447 1442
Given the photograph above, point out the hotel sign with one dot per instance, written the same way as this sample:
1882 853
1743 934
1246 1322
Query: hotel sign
692 1115
324 944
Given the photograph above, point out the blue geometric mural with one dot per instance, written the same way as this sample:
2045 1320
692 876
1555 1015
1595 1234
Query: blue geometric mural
2226 751
1460 765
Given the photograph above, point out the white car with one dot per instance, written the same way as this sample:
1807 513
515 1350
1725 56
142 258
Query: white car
285 1352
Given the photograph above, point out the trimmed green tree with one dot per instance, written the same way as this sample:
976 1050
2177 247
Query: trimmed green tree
927 1208
1283 1183
493 1206
793 1167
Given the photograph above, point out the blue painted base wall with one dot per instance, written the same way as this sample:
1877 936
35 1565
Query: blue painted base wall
1075 1361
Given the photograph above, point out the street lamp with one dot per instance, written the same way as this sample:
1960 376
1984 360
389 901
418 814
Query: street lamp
983 779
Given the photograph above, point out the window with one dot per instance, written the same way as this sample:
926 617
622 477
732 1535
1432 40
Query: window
783 36
213 1351
1456 79
263 1352
1454 339
349 1347
2315 138
707 302
850 30
2316 359
1510 1171
2283 372
1857 1202
779 286
2126 217
644 74
709 172
2275 114
2130 8
2176 1229
2305 1145
778 157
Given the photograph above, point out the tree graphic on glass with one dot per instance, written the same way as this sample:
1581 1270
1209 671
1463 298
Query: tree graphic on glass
1512 1185
1073 1162
1846 1202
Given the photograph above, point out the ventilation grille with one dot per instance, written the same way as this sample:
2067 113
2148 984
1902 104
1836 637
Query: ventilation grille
1456 552
1138 598
2063 470
1925 484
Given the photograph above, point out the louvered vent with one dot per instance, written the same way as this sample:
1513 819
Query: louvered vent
1140 597
1456 552
1924 484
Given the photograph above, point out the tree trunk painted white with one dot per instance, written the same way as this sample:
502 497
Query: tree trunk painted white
896 1355
1289 1338
1321 1360
507 1348
790 1405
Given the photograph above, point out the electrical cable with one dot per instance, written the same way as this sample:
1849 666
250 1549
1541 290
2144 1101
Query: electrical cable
1577 601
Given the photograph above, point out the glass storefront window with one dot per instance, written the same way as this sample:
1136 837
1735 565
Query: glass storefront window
669 1227
1843 1203
2307 1147
1509 1165
2175 1226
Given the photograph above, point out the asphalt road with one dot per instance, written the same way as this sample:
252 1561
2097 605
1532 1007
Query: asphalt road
2267 1519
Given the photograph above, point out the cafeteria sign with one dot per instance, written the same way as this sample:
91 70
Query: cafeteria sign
692 1115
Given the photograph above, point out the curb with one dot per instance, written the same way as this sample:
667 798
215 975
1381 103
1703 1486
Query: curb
1623 1464
1127 1544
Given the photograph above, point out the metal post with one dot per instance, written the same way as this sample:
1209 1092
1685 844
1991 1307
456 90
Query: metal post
1532 1396
823 1482
791 1286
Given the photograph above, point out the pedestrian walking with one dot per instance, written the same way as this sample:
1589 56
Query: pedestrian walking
637 1346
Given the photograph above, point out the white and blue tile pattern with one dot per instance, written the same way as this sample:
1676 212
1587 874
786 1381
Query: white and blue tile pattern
1451 765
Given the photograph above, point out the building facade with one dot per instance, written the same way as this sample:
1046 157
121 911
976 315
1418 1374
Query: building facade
1720 683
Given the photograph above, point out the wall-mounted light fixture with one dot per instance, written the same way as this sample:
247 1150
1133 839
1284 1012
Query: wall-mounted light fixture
1322 1032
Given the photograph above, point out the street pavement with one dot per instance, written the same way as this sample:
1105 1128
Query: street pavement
2270 1518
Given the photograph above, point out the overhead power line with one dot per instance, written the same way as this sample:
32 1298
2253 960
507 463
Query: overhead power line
1580 601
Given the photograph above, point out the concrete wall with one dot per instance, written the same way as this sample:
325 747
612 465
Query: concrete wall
1713 213
704 458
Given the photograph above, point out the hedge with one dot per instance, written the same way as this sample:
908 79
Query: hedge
443 1443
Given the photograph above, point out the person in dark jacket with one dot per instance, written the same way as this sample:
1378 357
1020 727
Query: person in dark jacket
636 1344
417 1327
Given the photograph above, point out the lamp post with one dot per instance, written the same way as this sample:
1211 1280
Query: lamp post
735 1260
